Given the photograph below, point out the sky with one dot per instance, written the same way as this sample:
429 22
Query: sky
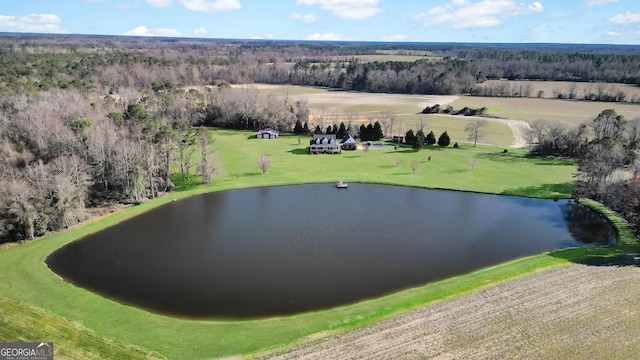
494 21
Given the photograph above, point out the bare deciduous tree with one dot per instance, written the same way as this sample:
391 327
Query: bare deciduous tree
264 161
475 130
414 166
608 124
206 167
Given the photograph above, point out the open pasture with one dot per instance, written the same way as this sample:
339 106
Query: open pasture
340 101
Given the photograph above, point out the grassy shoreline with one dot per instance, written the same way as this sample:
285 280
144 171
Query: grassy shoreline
26 280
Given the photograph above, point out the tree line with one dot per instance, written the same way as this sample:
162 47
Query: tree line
607 152
63 153
30 65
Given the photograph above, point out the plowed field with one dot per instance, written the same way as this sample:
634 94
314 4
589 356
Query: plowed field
574 312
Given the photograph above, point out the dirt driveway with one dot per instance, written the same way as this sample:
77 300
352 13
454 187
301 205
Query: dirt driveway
574 312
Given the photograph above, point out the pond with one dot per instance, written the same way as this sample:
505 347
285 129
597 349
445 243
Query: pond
284 250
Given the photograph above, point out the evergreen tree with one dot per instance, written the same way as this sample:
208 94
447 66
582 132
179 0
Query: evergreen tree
419 140
334 130
444 140
430 138
298 129
305 128
369 132
410 137
317 131
363 133
377 133
342 131
329 130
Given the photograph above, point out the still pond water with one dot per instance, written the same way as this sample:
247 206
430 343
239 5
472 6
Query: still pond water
283 250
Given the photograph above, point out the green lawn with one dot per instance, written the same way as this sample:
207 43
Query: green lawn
28 289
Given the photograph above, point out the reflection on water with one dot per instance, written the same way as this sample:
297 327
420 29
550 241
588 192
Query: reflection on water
284 250
586 224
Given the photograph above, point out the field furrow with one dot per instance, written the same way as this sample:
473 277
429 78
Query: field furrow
566 313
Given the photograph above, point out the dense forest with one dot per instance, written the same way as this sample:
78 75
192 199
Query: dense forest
90 121
31 64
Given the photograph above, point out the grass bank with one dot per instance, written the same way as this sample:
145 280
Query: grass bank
29 290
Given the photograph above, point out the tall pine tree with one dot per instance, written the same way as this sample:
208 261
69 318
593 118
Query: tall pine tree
419 140
430 138
377 133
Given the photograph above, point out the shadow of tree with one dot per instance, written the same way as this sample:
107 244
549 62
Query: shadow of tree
601 255
509 158
299 151
557 191
186 184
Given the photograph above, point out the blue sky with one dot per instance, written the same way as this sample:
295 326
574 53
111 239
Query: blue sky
556 21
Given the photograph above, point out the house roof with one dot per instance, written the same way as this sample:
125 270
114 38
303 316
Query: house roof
268 130
328 136
348 139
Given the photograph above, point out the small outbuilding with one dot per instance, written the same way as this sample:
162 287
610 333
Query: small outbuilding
267 134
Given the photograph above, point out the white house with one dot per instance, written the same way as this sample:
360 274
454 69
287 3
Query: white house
324 144
267 134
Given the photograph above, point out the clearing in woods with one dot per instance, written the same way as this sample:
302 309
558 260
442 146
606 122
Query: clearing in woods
508 128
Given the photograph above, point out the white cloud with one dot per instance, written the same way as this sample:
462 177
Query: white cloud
593 3
40 23
145 31
305 18
624 35
128 7
211 6
258 37
159 3
201 31
626 18
347 9
397 37
325 36
463 14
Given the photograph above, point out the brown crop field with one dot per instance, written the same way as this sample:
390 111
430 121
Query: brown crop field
329 107
573 312
570 112
549 89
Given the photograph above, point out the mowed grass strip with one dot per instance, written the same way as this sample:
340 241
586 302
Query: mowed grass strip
26 279
27 323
